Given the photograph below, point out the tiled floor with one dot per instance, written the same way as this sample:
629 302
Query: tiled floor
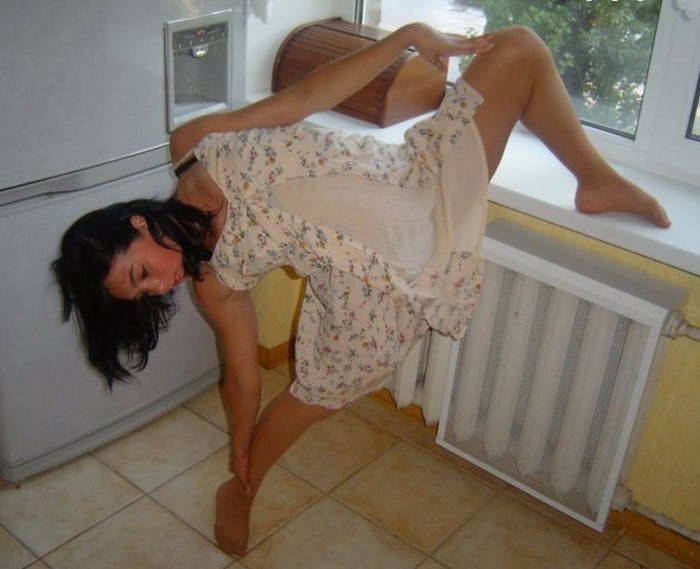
367 488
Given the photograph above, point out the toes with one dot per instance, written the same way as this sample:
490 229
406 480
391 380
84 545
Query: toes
660 217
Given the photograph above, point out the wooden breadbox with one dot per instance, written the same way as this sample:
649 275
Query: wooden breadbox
407 88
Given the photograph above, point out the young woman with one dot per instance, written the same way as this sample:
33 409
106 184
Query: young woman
388 234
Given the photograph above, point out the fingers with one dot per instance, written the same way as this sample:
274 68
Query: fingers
478 44
437 47
239 467
245 484
243 481
441 63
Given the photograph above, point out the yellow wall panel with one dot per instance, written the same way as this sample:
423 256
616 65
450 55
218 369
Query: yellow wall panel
277 297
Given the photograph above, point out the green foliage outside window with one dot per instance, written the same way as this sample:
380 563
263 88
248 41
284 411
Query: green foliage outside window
602 49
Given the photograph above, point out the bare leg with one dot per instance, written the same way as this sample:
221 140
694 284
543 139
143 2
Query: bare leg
519 81
282 422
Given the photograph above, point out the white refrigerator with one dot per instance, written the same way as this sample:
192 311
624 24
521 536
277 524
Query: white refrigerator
88 92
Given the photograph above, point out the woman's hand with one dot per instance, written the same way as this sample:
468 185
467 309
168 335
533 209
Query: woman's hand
239 465
436 47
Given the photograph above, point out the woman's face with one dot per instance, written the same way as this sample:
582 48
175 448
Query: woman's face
145 267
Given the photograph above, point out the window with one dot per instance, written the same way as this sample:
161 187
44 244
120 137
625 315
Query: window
630 65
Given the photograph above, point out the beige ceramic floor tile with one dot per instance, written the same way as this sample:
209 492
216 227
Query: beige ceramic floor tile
608 536
163 449
282 496
508 535
209 406
425 439
144 535
336 448
647 555
13 555
414 495
38 565
616 561
273 383
431 564
191 497
286 369
53 507
392 420
329 535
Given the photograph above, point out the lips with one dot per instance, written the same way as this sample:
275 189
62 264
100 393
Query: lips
179 279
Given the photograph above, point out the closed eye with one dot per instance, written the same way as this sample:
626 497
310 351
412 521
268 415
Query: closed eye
136 280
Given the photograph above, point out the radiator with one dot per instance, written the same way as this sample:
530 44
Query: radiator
544 389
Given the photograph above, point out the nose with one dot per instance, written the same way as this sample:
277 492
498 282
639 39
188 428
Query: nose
157 286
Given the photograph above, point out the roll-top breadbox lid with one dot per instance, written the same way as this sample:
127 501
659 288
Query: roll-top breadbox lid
409 87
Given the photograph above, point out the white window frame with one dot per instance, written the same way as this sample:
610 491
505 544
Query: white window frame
661 145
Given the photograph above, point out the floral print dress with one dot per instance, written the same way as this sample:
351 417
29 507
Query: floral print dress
362 311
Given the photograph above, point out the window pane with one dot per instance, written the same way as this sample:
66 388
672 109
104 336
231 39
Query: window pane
602 48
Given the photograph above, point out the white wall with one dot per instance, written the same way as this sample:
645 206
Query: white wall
264 38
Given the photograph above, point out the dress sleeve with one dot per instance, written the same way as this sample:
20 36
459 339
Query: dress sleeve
241 161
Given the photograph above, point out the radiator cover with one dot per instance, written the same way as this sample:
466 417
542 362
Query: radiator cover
544 389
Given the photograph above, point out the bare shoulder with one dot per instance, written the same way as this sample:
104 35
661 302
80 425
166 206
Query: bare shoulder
220 304
211 290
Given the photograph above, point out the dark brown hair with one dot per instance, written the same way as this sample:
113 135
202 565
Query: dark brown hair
111 327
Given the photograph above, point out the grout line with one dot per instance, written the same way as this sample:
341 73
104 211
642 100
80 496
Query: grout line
303 509
92 526
381 526
205 418
467 521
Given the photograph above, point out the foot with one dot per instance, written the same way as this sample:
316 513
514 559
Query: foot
618 194
232 518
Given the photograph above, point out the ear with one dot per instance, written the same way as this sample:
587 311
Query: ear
138 222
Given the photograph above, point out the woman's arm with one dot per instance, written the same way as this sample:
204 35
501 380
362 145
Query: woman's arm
232 315
328 85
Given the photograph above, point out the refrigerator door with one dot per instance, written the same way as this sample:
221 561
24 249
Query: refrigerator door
53 405
82 84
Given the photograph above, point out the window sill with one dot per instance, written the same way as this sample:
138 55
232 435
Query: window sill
531 181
